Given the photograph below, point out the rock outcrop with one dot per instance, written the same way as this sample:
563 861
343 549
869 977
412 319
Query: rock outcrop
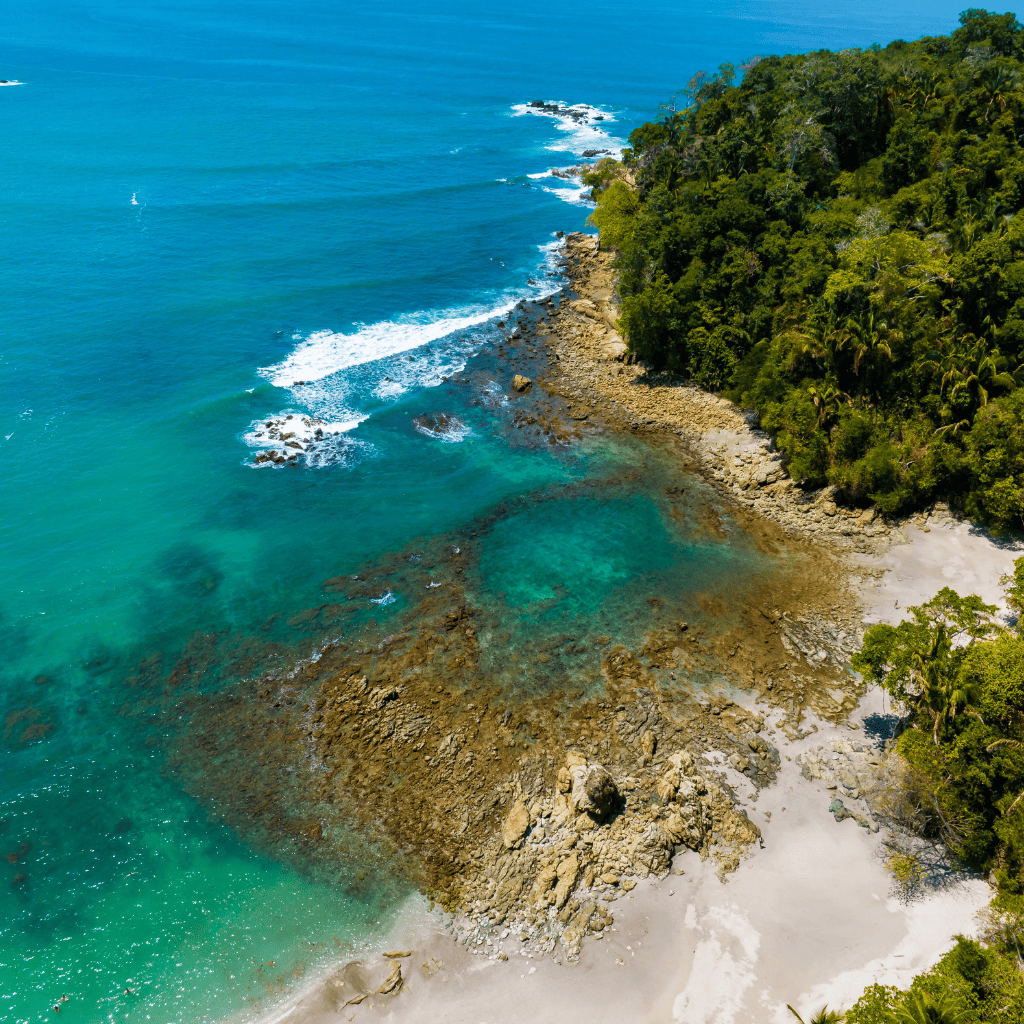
583 841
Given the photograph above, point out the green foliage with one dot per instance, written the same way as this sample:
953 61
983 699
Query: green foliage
958 677
616 213
971 984
1013 583
940 638
834 241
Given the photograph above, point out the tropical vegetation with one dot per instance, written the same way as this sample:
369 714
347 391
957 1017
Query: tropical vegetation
833 240
955 672
957 676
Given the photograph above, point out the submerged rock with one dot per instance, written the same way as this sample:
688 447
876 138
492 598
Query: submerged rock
439 424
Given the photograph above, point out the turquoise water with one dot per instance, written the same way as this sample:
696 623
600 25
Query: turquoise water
201 205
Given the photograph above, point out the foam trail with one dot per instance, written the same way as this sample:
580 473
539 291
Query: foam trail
574 192
325 353
332 374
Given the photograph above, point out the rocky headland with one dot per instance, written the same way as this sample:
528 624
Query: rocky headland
590 369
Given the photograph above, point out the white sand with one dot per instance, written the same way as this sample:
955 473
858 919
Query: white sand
944 553
809 919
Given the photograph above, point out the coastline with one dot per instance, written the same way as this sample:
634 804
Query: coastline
589 371
813 917
810 914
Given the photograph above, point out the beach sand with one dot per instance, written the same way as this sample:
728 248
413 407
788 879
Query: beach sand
809 919
938 552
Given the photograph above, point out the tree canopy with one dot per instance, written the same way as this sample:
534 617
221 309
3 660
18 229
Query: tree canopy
834 242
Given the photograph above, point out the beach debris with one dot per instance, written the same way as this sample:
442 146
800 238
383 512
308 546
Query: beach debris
393 981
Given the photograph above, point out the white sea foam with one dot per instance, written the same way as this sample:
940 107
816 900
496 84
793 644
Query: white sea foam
386 598
494 395
572 190
324 353
296 425
581 132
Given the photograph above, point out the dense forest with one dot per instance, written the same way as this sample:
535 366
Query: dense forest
834 241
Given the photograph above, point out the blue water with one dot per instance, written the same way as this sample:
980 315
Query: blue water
201 204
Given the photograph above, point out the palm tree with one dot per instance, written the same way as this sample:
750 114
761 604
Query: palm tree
820 337
924 1008
870 337
823 1016
827 400
970 373
942 694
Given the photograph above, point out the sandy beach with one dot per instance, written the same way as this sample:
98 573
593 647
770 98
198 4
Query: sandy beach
811 918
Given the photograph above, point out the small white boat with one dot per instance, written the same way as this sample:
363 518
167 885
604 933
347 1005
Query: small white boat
4 81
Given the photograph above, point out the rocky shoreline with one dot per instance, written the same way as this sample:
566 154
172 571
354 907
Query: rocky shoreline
525 820
589 368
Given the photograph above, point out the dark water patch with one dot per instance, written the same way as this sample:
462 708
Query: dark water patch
190 571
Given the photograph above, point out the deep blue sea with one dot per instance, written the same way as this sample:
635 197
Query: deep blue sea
202 204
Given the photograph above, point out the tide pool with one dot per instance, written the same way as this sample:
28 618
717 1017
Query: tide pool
204 204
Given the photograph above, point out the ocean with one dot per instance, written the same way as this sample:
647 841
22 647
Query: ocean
218 216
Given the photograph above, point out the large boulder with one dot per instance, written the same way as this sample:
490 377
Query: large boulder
612 348
521 383
593 790
516 824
